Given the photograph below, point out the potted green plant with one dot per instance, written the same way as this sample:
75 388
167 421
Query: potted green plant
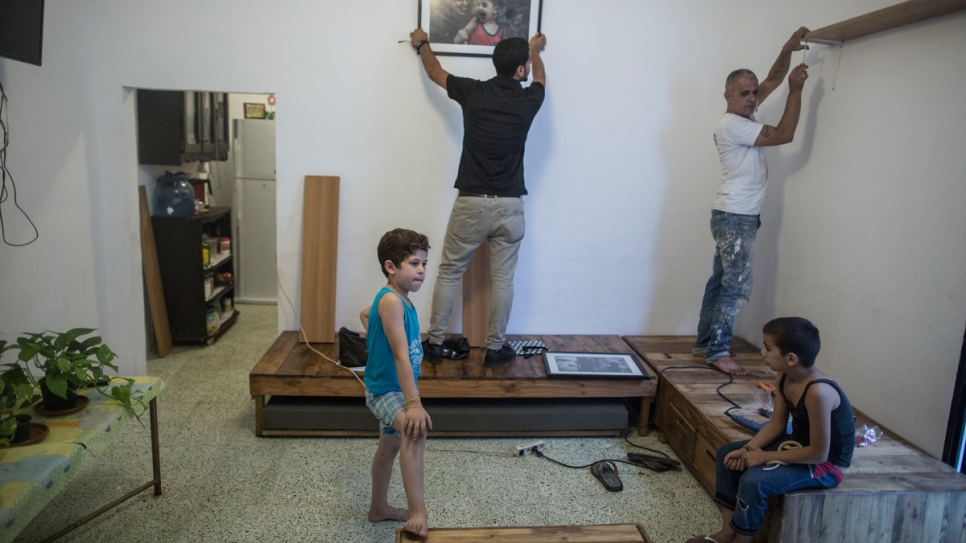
16 391
69 361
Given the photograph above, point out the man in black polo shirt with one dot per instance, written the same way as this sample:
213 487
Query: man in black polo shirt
496 119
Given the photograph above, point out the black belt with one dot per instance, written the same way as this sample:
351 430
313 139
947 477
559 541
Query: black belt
464 194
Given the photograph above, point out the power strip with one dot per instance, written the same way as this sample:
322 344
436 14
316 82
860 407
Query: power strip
527 448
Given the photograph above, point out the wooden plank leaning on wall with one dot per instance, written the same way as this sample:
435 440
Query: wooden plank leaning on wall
320 244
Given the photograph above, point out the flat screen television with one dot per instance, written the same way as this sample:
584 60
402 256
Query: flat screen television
22 30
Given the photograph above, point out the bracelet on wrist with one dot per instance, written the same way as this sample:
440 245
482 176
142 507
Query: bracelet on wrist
747 448
419 44
411 401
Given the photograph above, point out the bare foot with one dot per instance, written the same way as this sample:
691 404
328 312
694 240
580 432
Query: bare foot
728 365
387 513
417 524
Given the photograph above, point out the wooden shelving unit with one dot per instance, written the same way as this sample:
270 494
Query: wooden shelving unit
182 268
898 15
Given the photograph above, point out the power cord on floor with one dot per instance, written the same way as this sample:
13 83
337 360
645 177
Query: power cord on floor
474 451
304 336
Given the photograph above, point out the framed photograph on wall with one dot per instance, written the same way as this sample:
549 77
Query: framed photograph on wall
254 111
472 27
593 365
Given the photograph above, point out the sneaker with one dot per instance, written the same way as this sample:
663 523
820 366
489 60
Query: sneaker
497 357
432 353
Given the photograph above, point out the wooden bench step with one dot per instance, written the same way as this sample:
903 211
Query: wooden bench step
609 533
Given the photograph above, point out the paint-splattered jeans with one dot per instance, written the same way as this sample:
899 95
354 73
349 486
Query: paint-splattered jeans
729 287
746 492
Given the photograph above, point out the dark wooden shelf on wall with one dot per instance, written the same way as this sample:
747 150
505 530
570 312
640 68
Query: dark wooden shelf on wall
902 14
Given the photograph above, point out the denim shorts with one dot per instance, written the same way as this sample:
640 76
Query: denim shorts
385 407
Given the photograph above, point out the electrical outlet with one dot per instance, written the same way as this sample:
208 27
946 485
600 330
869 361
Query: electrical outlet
528 448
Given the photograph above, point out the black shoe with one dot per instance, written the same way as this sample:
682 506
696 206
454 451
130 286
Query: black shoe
432 353
497 357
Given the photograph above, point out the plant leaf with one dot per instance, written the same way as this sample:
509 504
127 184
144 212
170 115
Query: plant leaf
58 385
63 364
27 351
105 354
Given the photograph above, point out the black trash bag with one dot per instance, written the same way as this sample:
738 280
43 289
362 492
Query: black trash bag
353 351
456 348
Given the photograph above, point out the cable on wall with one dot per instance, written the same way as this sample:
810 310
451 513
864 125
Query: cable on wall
5 174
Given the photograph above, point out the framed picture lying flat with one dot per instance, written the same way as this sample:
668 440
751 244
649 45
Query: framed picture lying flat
593 365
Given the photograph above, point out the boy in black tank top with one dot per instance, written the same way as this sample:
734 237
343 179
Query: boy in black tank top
773 462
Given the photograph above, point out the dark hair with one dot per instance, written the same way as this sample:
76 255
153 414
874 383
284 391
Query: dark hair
735 76
510 53
398 245
795 335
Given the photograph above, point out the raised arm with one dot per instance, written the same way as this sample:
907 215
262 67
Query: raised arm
785 131
784 61
433 69
537 44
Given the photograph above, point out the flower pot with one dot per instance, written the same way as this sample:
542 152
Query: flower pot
23 429
53 402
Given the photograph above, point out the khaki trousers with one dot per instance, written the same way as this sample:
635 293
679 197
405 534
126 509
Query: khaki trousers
473 221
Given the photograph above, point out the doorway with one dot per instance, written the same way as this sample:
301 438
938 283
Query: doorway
236 180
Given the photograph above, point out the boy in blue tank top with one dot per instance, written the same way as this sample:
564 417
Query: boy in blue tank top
815 455
395 354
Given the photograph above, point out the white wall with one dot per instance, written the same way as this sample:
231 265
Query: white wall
620 166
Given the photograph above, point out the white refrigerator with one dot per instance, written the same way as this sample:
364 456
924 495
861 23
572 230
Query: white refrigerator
254 205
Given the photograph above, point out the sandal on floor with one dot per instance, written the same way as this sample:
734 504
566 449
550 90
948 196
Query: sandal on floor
606 472
653 463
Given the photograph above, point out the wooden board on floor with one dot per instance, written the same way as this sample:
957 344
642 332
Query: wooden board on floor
890 480
152 278
290 368
610 533
320 243
476 297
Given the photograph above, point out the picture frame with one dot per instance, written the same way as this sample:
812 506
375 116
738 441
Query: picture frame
254 111
572 365
442 20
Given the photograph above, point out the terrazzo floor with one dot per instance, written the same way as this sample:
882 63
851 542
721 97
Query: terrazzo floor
221 483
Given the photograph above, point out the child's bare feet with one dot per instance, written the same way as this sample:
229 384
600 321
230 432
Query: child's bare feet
387 513
417 524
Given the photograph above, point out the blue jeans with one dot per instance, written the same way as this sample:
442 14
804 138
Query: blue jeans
729 287
745 492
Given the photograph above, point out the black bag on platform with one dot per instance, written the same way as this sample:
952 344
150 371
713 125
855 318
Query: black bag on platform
456 348
353 351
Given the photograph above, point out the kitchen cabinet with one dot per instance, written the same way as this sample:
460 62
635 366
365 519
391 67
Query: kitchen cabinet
180 248
182 126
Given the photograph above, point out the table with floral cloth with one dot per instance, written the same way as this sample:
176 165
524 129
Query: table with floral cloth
30 476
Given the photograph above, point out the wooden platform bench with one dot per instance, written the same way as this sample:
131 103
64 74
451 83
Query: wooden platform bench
299 393
608 533
892 492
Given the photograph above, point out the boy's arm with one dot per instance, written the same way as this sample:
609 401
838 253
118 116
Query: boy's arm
364 317
819 402
463 35
431 64
392 315
537 43
772 430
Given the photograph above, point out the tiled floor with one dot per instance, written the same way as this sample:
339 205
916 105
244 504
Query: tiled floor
221 483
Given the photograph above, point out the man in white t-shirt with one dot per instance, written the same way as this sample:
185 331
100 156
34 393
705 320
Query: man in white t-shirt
740 140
